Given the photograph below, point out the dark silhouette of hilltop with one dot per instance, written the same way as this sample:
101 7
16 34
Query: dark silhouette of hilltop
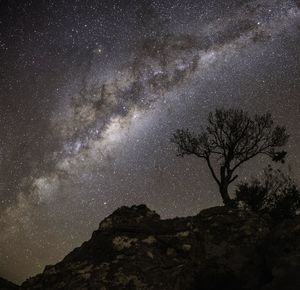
6 285
220 248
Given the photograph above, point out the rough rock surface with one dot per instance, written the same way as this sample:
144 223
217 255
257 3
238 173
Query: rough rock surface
220 248
6 285
283 256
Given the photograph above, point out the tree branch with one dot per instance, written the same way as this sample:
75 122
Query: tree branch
233 178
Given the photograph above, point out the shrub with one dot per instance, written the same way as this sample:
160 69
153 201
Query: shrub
275 193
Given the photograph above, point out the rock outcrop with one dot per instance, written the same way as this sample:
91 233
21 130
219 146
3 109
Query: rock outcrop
283 256
219 248
6 285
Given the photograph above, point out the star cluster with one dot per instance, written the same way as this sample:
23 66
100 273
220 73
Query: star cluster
91 92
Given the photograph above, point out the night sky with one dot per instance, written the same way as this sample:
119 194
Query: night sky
91 92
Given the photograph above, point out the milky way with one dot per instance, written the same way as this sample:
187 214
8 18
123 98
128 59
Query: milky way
92 91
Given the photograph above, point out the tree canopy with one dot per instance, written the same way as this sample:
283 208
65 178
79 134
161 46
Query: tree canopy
231 138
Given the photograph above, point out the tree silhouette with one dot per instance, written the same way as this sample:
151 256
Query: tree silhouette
231 138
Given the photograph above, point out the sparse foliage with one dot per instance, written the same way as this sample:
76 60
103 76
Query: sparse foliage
231 138
275 193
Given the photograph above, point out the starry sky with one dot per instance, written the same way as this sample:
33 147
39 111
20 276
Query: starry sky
91 92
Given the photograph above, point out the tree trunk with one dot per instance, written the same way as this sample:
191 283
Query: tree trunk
223 185
225 195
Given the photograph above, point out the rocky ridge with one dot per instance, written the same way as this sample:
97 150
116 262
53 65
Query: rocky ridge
6 285
219 248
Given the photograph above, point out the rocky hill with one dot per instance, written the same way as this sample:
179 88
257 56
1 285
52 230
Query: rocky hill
219 248
6 285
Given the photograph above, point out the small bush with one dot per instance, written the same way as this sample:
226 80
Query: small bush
275 193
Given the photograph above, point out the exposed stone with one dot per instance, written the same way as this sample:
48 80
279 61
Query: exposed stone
186 247
217 249
106 224
123 242
150 240
150 255
183 234
170 251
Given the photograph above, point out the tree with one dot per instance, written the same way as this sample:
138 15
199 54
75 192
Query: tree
231 138
275 193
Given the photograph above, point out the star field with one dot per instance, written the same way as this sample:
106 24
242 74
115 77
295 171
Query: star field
91 92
